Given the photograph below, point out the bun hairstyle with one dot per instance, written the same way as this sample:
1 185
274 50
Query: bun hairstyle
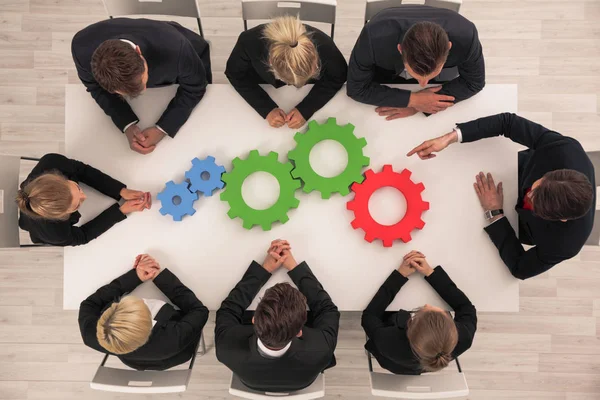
47 196
124 326
293 57
432 336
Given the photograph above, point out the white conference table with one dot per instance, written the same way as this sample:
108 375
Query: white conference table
209 252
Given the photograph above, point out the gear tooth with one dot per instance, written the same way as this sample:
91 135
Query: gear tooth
295 173
349 127
420 224
292 155
307 188
162 211
195 161
325 194
406 237
219 185
221 169
368 173
295 203
247 225
344 191
273 156
355 224
236 161
253 154
225 177
224 195
419 187
362 142
298 136
331 121
388 242
210 159
284 218
266 227
350 205
288 166
387 168
405 173
369 237
425 205
312 124
297 184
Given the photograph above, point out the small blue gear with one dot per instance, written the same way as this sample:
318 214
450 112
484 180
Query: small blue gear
185 207
194 174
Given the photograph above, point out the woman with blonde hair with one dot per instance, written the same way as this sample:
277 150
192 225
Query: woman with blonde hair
146 334
426 340
50 197
286 52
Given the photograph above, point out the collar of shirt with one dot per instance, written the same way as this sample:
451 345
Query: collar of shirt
272 353
128 41
154 306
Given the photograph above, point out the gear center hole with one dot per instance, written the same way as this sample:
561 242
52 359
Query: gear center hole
176 200
205 175
328 158
260 190
387 206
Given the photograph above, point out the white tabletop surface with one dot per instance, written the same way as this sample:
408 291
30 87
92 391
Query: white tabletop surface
210 252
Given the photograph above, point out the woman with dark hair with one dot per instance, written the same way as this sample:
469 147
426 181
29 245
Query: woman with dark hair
50 197
427 339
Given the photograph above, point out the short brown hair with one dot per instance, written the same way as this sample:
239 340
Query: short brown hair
116 66
432 336
563 194
425 47
47 196
280 315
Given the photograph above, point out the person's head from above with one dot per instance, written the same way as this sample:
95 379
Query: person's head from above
293 57
280 316
50 196
424 50
120 68
433 336
562 195
125 326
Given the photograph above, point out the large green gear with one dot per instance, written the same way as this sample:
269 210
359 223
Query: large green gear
233 191
344 135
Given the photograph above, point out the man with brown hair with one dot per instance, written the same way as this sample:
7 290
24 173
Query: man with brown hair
409 42
556 198
120 57
281 348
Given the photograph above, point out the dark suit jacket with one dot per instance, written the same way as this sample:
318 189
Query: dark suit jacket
375 58
63 233
173 53
176 334
388 342
309 355
554 241
248 66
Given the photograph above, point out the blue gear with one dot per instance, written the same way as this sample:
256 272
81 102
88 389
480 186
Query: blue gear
177 211
213 182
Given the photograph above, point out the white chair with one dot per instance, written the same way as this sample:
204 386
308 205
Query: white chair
9 211
447 385
314 11
315 391
374 6
180 8
130 381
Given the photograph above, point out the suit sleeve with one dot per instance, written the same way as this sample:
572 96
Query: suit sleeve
372 316
325 314
192 86
361 85
522 264
465 314
238 70
517 129
113 105
91 308
195 314
239 299
334 72
471 79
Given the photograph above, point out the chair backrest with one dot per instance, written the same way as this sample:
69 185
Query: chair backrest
315 391
180 8
426 386
374 6
129 381
311 11
9 216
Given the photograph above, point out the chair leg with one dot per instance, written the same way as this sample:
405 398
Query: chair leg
200 27
202 346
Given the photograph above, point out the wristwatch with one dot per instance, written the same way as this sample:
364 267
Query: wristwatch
489 214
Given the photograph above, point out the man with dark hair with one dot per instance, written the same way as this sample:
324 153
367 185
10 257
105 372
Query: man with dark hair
556 198
281 348
409 42
120 57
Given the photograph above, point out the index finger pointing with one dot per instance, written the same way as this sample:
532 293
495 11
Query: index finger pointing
420 147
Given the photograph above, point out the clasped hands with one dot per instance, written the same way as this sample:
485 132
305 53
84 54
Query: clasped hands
146 267
135 200
278 254
426 100
415 261
143 141
277 118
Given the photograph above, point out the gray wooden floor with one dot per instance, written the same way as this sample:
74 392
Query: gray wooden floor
548 351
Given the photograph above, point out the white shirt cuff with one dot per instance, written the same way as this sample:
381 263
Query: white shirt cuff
129 124
162 130
458 133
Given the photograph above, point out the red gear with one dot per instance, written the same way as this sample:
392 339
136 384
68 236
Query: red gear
414 205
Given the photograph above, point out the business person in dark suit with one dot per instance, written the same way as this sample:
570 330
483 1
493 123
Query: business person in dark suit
286 52
285 348
146 334
50 197
419 42
556 197
120 57
426 340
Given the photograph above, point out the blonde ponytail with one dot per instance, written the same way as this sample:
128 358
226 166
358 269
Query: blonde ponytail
47 196
432 336
293 57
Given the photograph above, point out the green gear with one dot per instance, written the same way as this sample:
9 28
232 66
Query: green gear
344 135
233 191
